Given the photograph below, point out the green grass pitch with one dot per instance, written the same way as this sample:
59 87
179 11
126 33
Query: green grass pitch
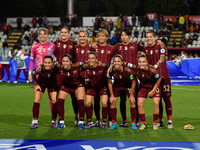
16 101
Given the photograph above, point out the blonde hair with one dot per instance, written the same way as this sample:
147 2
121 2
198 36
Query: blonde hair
43 29
103 31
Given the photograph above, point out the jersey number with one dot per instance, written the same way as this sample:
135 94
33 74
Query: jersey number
166 88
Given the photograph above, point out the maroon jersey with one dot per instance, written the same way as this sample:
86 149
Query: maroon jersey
63 48
128 52
122 79
148 77
153 54
105 53
72 76
95 77
81 53
47 78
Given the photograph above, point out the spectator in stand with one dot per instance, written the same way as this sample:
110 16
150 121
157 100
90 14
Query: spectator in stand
114 39
156 24
24 41
192 28
157 32
19 23
181 22
74 21
195 36
133 20
186 18
93 39
26 27
136 33
141 43
97 22
40 21
9 28
174 42
185 43
125 21
103 25
169 24
60 26
47 26
183 56
172 57
161 32
5 29
164 40
191 56
101 19
119 22
166 33
51 31
143 33
190 40
111 25
145 21
161 23
129 26
0 27
196 28
196 55
174 22
187 27
34 22
45 20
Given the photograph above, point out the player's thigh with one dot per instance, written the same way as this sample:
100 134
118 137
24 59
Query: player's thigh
38 96
62 95
104 100
141 101
156 101
89 99
80 92
53 96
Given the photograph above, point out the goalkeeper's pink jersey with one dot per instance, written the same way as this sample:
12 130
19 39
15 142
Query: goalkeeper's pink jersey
39 51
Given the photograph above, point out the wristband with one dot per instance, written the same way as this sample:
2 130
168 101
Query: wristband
29 72
156 66
130 65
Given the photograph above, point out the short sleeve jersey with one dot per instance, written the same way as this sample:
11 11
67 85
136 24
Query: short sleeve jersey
153 54
147 78
81 53
128 52
122 79
62 48
39 51
97 76
105 53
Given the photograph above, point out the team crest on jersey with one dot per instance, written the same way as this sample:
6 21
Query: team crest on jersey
68 74
64 46
43 49
142 75
74 71
58 45
88 51
132 47
93 72
102 51
120 76
120 48
100 71
125 48
151 52
70 46
82 51
162 50
108 52
48 75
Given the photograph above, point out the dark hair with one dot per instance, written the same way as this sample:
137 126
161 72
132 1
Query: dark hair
151 31
49 56
69 56
93 54
120 56
65 27
127 31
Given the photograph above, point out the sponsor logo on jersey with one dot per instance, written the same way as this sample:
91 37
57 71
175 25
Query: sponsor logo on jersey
162 50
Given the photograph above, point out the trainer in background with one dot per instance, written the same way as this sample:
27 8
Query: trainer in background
5 55
21 64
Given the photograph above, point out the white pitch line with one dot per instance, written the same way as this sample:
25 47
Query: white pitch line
188 89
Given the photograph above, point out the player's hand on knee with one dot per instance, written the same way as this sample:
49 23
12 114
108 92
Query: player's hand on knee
150 94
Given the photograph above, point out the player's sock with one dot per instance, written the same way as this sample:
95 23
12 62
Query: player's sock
142 118
54 111
89 113
169 119
133 115
155 118
60 108
168 106
81 109
123 107
75 104
97 107
36 109
113 113
104 114
161 117
160 109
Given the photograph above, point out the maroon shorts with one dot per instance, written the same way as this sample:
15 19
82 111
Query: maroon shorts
71 88
165 87
143 92
94 92
121 91
49 89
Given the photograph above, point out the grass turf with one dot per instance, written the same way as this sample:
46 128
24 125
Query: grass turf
16 115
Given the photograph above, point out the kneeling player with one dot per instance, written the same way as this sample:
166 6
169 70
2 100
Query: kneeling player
124 83
46 79
149 86
96 83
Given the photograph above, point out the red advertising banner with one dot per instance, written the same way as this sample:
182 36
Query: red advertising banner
151 16
70 16
195 19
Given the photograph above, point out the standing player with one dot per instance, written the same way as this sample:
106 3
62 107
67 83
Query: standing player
46 79
129 53
149 86
105 53
156 53
63 47
70 80
124 83
96 82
